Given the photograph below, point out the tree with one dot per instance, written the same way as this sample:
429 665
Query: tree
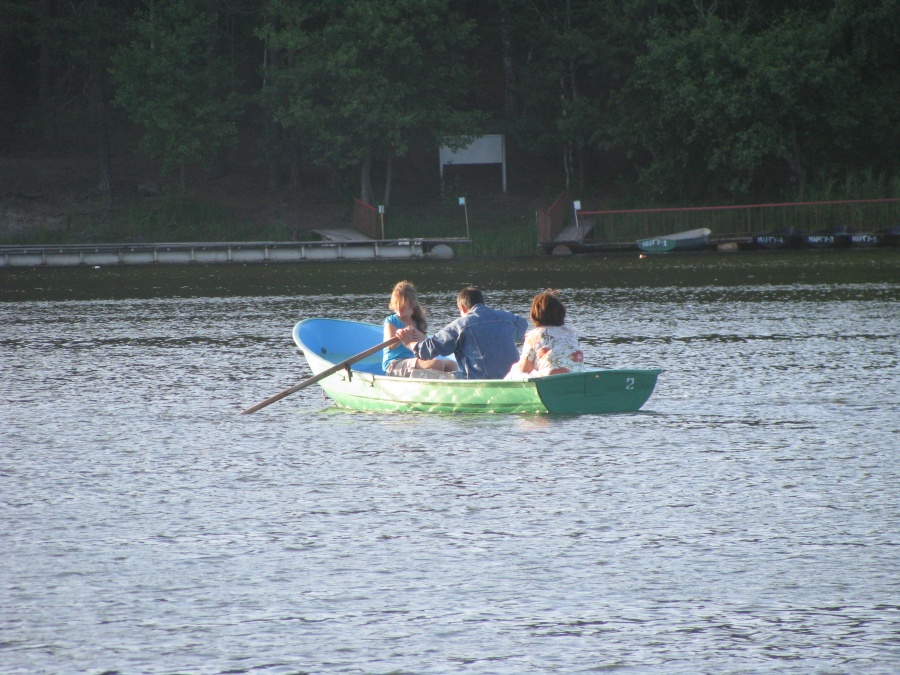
88 37
557 76
865 35
712 109
356 81
72 44
173 81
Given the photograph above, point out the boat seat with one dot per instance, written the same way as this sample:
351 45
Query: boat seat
363 367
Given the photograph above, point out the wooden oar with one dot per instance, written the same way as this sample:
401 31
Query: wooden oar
321 376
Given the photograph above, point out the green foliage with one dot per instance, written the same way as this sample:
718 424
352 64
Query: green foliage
18 23
173 81
710 107
635 102
502 242
178 217
716 109
565 75
358 80
864 184
492 235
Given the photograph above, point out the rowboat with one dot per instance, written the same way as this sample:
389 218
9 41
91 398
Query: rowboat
866 239
364 386
779 239
836 237
891 236
689 240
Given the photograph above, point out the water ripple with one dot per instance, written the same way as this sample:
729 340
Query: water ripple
745 521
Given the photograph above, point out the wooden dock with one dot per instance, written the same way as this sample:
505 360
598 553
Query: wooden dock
571 238
722 244
344 234
350 248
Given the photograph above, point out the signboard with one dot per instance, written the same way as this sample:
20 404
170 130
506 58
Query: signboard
483 150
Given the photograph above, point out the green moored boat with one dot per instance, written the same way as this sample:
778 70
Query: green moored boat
691 240
364 386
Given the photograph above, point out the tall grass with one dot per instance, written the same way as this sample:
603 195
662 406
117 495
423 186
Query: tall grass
856 185
182 218
493 228
172 217
493 234
800 214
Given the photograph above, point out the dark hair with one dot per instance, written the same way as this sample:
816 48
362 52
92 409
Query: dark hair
547 309
469 297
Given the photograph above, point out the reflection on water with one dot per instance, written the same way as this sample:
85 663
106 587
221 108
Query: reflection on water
348 282
745 521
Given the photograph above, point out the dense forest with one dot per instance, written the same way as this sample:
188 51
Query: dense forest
679 101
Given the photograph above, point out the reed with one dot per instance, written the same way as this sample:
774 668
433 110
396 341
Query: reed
175 218
496 227
745 220
492 234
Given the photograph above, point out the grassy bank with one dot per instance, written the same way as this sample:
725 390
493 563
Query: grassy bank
498 226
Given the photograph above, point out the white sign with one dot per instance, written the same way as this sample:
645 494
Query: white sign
483 150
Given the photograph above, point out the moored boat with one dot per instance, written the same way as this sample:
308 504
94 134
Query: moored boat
866 239
779 239
689 240
837 237
890 236
364 386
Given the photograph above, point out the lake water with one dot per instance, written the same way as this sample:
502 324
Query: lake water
745 521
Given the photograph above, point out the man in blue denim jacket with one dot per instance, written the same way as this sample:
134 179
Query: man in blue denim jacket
482 339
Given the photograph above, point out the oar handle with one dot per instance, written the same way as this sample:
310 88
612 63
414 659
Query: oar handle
321 376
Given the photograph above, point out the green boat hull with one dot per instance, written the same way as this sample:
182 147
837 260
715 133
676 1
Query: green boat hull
656 245
363 387
691 240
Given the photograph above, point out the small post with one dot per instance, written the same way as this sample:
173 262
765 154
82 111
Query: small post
577 206
462 203
381 213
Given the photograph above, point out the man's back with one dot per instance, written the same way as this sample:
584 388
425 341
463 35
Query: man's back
483 341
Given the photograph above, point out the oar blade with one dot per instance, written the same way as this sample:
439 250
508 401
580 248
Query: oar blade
321 376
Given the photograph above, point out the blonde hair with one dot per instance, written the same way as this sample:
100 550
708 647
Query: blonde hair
406 292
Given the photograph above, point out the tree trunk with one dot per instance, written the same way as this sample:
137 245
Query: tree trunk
795 162
578 143
295 173
45 70
100 121
388 180
567 152
215 165
365 179
509 74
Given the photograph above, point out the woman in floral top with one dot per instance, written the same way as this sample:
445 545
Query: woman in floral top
551 347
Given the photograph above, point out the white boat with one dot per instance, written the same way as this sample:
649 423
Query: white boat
689 240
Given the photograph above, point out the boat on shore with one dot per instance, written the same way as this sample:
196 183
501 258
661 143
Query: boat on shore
364 386
837 237
689 240
787 238
890 236
866 239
